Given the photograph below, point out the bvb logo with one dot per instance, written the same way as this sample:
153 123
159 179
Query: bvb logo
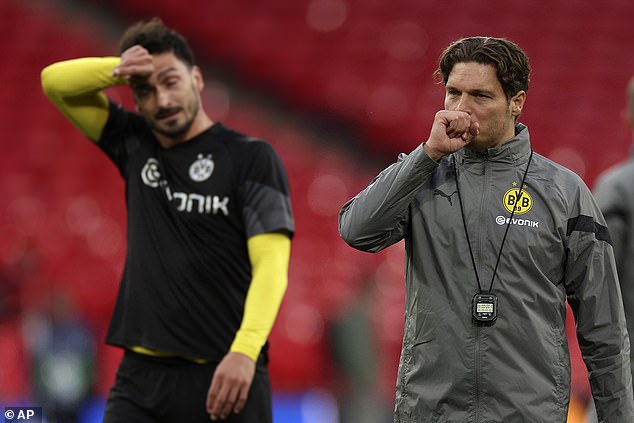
522 204
202 168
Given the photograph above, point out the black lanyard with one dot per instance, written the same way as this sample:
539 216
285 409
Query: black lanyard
508 224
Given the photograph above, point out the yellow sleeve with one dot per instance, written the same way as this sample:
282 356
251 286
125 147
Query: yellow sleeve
75 88
269 254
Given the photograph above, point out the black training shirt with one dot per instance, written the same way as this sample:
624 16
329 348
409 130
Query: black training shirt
191 209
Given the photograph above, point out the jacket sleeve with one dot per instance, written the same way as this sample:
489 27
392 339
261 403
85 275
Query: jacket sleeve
594 295
609 194
377 217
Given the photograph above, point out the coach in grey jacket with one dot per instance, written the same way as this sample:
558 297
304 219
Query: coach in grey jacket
497 238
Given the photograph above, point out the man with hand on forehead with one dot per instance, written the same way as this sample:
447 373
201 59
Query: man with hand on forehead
209 233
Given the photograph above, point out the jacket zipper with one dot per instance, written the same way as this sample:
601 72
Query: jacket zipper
481 238
476 354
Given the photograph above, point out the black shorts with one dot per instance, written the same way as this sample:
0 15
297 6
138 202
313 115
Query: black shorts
151 389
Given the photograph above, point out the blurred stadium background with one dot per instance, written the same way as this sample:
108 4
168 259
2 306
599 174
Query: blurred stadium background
339 87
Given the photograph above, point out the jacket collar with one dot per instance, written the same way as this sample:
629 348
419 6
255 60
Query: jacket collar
512 152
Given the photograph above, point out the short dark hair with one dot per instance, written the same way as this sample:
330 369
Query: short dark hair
157 38
508 59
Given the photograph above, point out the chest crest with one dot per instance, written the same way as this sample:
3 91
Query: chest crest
202 168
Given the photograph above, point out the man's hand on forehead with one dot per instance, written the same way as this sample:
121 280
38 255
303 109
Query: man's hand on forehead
136 64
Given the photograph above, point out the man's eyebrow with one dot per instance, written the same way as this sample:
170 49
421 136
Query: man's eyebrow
162 73
482 91
475 90
451 88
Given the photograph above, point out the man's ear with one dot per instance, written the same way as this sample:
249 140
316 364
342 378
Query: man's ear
198 78
517 103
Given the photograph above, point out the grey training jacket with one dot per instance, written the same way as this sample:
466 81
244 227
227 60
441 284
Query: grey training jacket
614 191
557 248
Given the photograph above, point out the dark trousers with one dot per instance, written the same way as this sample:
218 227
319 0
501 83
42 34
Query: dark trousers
156 390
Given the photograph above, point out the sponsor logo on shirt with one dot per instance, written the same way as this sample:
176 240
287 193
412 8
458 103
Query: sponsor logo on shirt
187 202
501 220
150 173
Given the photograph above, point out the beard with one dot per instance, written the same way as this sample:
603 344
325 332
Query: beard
494 134
177 128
